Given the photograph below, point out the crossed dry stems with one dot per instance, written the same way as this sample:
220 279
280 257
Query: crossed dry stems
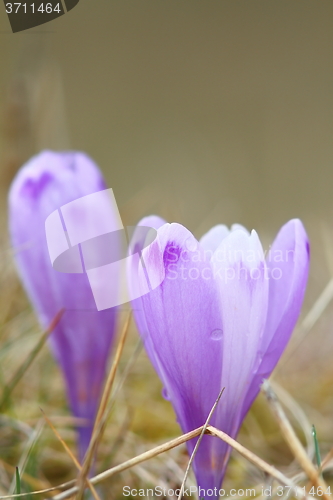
82 482
269 469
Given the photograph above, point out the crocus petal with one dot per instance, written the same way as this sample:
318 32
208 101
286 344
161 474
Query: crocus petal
137 243
210 322
239 268
239 227
82 339
187 346
288 268
243 293
212 239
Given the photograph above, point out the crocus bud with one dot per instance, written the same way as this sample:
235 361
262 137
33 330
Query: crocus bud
222 317
82 339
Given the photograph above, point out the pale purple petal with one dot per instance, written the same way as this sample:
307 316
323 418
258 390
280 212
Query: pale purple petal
288 267
239 227
82 340
243 291
209 321
183 318
212 239
137 244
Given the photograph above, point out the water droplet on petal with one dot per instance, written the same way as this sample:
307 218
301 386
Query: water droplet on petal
165 394
191 244
258 361
216 334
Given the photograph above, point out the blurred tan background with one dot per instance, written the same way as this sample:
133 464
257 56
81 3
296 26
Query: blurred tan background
204 111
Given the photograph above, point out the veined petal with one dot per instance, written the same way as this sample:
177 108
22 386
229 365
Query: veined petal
240 270
137 243
82 340
288 265
48 181
81 344
185 325
213 238
288 268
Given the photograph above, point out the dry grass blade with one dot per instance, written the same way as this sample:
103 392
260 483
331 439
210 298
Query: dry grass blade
327 458
269 469
69 452
98 426
27 450
198 443
32 481
32 493
292 440
121 381
318 308
52 489
312 316
298 414
111 402
133 461
28 361
126 371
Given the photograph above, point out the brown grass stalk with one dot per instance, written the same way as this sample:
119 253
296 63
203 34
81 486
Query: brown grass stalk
28 361
98 425
292 440
71 455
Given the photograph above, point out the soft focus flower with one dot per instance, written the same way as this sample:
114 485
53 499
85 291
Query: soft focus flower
83 337
221 318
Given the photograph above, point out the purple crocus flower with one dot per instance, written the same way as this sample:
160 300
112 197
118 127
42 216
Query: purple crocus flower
82 339
221 318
